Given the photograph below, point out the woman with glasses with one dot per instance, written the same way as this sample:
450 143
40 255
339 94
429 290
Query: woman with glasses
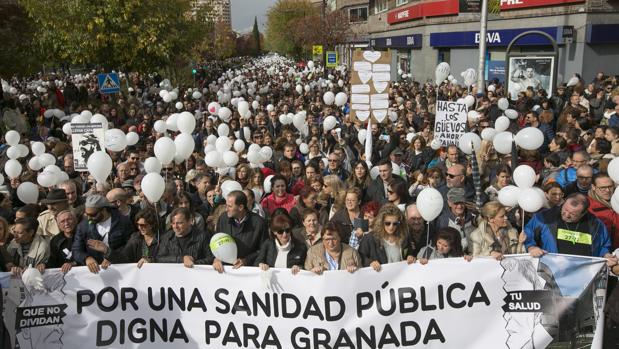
345 217
494 235
142 246
503 178
332 253
281 250
389 241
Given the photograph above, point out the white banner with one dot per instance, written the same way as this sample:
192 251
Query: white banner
447 303
449 122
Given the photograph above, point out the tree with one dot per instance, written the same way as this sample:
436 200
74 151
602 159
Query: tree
116 34
16 30
282 21
334 29
256 34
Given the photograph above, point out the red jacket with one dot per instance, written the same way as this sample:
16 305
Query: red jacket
271 203
609 217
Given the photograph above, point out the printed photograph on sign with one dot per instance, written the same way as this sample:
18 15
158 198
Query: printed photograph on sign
86 139
535 72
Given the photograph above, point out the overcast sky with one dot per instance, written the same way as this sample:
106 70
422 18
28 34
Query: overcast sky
244 11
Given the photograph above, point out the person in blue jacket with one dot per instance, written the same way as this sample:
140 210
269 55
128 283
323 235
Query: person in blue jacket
568 229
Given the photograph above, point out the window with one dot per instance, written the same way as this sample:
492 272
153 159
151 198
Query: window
400 2
359 14
380 6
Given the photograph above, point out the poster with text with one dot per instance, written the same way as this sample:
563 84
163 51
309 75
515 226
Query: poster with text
86 139
449 122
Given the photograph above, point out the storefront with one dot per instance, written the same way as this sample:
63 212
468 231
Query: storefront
402 56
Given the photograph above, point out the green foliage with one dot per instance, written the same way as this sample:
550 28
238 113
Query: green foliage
281 21
256 35
16 31
137 35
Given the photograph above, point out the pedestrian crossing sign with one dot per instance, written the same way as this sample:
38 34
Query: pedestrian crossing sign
109 83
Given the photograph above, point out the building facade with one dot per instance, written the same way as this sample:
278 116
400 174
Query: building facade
425 33
221 10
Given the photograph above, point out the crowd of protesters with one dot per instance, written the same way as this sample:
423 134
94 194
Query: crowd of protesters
324 208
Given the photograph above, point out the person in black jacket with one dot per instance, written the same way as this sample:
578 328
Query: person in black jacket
142 246
60 245
248 230
281 250
184 243
389 241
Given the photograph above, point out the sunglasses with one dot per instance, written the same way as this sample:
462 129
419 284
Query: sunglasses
282 232
143 225
388 223
451 176
95 214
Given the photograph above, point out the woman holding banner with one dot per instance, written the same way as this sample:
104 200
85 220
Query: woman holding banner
332 253
494 235
281 250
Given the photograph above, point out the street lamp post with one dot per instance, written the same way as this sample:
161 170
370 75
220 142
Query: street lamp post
481 68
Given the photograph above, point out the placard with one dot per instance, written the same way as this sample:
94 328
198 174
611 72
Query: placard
450 122
86 139
371 75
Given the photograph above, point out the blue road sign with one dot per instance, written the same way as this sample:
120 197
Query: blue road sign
109 83
331 59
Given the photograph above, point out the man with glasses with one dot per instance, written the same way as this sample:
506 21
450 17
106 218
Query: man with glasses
60 245
582 184
104 230
335 167
599 205
578 159
55 201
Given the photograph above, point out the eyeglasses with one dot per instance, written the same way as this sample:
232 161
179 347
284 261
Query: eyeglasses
282 232
388 223
330 240
451 176
583 178
609 188
143 225
332 160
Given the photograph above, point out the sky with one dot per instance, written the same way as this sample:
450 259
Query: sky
244 11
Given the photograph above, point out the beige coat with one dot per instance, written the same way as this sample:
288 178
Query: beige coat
48 228
316 257
482 240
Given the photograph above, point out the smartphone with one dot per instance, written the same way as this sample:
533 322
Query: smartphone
364 224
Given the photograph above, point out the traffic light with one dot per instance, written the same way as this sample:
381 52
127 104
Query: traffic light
194 71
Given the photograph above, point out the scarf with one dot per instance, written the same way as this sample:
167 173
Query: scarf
595 196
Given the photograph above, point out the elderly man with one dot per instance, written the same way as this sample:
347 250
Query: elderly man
599 205
56 201
76 203
27 248
582 184
247 228
456 178
578 159
60 246
457 216
334 167
184 243
104 230
418 228
568 229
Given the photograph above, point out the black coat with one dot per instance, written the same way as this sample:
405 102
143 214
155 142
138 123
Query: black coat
371 249
343 223
134 250
268 254
120 232
57 256
249 235
170 250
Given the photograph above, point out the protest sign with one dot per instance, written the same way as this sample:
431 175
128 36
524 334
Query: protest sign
86 139
516 303
450 122
370 76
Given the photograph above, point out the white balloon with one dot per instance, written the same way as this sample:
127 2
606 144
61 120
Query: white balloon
46 159
529 138
98 118
172 122
488 133
86 114
502 142
179 105
266 153
501 124
512 114
613 170
99 165
196 95
299 89
12 137
224 247
468 142
222 144
173 95
152 165
503 103
473 116
223 130
49 113
304 148
243 107
329 123
230 158
310 64
328 98
66 128
165 149
255 105
429 203
213 108
34 163
469 76
132 138
12 168
508 195
614 200
524 176
115 140
185 145
529 200
160 126
267 184
340 99
47 179
239 145
441 72
270 108
469 100
28 193
298 120
229 186
153 186
13 152
225 114
186 122
435 144
213 159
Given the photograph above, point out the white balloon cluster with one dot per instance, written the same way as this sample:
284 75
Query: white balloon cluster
526 196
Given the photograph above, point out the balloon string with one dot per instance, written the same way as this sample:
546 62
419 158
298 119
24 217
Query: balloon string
522 218
428 234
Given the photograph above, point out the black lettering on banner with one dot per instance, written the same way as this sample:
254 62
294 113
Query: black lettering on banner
225 305
343 340
240 304
141 331
312 309
113 295
391 300
231 336
44 315
450 300
321 338
300 342
528 301
403 333
290 313
478 295
329 300
128 295
102 339
433 333
388 337
212 330
151 301
196 301
250 332
84 298
364 302
362 335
